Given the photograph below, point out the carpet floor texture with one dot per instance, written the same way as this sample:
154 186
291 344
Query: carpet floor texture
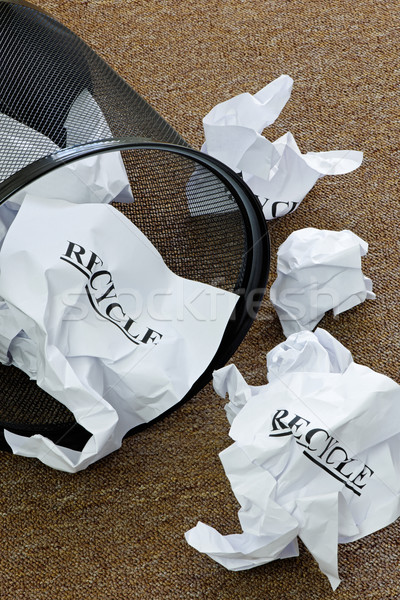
116 530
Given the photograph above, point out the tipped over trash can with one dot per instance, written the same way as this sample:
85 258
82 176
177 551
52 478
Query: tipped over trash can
75 136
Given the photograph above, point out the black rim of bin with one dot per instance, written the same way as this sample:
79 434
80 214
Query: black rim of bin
250 286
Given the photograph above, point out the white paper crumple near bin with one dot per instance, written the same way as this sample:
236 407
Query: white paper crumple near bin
315 455
318 270
277 172
119 338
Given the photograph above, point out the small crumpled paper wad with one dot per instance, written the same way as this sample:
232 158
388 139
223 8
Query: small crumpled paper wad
277 172
315 455
318 270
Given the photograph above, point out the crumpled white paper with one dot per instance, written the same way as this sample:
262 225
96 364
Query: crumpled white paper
318 270
315 455
98 178
104 326
85 122
277 172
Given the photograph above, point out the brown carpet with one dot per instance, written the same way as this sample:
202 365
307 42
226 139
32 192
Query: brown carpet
115 531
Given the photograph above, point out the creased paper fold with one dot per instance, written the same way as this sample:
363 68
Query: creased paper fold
317 271
315 455
277 172
92 313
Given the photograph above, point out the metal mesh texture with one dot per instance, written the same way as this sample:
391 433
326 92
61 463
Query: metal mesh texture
56 94
52 82
189 215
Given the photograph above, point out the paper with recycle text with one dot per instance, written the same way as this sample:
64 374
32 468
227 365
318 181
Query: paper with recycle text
315 455
277 172
106 328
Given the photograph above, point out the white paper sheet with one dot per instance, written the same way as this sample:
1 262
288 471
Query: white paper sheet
85 122
98 178
119 338
318 270
277 172
315 455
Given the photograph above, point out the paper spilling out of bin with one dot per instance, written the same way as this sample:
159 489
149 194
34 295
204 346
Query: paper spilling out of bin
91 311
315 455
277 172
317 271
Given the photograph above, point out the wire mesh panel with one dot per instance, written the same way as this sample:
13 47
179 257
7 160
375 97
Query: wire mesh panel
55 92
189 215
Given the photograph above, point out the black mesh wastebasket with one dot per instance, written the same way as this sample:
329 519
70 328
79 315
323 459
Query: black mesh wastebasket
61 103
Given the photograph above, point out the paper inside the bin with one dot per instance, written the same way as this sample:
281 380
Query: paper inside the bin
15 139
20 144
119 338
318 270
85 121
277 172
98 178
315 455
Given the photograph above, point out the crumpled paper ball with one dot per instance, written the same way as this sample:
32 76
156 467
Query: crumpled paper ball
318 270
315 455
